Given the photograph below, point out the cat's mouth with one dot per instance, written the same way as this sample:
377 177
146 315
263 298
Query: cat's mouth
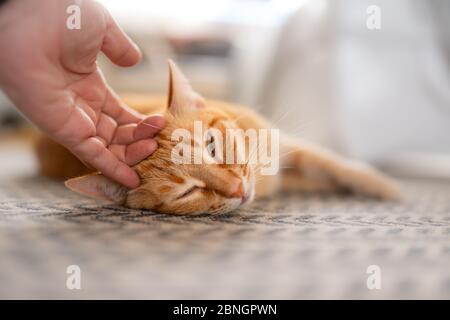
244 199
248 196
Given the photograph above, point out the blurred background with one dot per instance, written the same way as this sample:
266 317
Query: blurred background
313 67
372 84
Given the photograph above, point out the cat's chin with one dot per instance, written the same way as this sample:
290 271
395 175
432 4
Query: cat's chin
237 204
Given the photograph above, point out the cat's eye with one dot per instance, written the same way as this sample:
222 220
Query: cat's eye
211 146
188 192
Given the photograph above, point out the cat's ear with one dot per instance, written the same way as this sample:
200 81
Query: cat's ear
181 97
98 186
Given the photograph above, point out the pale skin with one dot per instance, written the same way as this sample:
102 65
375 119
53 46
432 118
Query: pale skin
50 73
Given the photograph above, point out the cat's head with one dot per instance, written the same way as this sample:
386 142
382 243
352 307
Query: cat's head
168 186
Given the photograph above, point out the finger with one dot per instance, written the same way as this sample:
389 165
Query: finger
140 150
94 153
135 152
119 111
106 128
148 128
118 47
73 127
125 134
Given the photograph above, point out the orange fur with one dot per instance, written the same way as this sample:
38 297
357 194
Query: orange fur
212 188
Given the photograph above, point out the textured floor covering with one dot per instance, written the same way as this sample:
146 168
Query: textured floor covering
291 246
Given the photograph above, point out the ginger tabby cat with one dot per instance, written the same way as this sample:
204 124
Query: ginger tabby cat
167 187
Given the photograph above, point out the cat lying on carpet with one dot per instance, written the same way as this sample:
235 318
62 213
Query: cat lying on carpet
173 188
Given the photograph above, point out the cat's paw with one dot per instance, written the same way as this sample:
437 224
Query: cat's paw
364 179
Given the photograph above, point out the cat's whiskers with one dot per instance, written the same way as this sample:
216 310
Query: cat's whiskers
252 154
280 118
299 129
255 150
287 153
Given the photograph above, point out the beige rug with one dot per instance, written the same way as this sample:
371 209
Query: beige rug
290 247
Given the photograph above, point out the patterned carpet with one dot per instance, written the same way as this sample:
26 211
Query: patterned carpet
288 247
292 246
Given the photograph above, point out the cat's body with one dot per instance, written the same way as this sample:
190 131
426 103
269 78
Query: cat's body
213 188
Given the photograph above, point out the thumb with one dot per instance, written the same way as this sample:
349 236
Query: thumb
118 47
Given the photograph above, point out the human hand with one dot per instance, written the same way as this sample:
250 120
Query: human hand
51 75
